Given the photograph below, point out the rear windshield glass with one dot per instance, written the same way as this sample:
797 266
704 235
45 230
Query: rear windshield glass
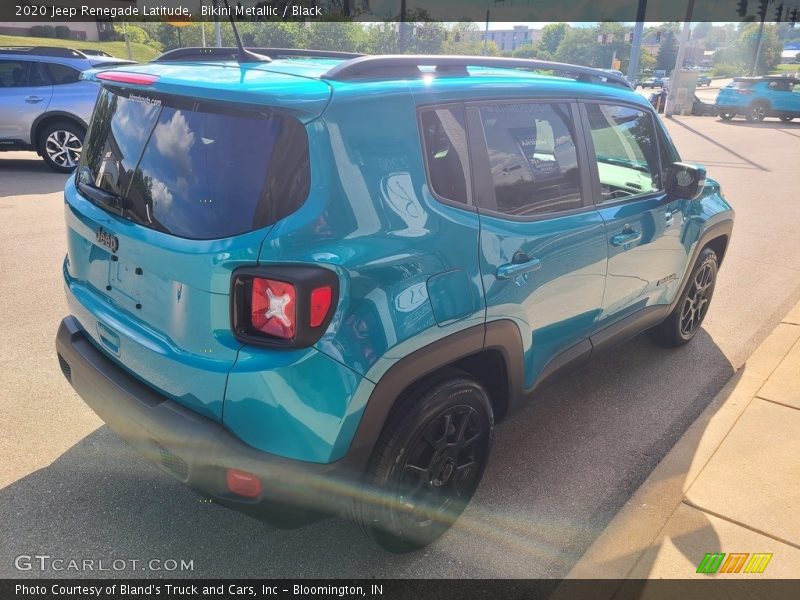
191 169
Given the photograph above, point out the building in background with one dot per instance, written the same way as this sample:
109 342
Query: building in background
508 40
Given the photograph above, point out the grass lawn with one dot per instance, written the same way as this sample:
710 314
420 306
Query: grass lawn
787 68
141 53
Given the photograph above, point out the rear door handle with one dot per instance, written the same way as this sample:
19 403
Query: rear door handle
33 99
626 237
515 269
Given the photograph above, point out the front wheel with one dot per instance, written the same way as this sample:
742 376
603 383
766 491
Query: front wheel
685 319
726 116
427 464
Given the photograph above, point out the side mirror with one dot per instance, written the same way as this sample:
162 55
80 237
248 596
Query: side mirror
685 181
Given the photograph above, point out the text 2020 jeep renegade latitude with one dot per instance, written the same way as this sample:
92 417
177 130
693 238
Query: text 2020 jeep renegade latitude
311 286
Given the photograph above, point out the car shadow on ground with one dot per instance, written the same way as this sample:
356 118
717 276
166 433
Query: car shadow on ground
26 176
560 470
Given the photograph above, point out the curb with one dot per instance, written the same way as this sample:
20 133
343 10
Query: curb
630 534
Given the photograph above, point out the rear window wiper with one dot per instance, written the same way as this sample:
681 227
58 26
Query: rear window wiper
108 200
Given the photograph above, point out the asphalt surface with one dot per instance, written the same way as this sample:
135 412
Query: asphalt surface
559 470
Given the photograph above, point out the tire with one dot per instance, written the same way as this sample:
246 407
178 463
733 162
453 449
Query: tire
427 463
726 116
786 119
757 112
61 144
685 319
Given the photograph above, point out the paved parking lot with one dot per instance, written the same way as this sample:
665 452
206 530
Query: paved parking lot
560 470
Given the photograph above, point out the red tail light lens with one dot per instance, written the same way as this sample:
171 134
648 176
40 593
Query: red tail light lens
283 306
320 305
273 308
744 92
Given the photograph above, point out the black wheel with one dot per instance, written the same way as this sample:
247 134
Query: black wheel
726 116
786 119
757 112
428 463
61 144
684 321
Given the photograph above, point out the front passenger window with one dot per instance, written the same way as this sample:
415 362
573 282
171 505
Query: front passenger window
626 150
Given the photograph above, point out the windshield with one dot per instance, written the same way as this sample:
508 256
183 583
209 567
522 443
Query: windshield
193 169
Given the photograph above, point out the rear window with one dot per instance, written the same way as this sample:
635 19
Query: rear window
193 169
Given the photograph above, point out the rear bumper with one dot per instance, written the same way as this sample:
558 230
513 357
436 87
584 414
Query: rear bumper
196 450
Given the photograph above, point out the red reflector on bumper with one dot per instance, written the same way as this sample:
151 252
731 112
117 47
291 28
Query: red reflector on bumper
243 483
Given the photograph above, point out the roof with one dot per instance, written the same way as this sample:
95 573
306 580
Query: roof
306 84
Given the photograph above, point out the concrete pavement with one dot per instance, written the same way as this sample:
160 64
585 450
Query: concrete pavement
729 485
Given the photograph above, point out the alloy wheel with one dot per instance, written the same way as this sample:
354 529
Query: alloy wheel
697 300
63 148
442 466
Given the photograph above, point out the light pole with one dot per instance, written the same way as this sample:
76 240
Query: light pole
676 72
636 43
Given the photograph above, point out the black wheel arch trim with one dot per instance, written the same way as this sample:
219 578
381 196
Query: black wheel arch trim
502 336
54 114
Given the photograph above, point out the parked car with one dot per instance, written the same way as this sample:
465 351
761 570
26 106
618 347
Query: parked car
44 105
653 82
703 80
311 287
699 108
759 97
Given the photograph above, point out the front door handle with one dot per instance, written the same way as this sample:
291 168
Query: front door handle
515 269
33 99
626 237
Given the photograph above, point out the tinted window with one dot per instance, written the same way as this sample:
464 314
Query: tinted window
61 74
626 150
532 156
446 152
194 170
20 73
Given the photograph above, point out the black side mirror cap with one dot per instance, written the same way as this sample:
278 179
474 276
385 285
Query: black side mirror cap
685 181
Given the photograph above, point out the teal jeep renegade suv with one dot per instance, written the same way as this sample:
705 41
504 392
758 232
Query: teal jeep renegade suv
309 283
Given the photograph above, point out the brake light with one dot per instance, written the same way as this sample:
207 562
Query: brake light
285 306
123 77
744 91
273 308
320 305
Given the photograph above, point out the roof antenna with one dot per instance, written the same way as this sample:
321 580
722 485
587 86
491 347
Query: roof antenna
245 56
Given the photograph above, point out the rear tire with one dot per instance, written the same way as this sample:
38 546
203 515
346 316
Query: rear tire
685 319
61 145
427 463
757 112
786 119
726 116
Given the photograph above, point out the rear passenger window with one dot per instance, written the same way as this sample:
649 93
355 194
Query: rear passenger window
534 164
20 73
626 150
61 74
445 139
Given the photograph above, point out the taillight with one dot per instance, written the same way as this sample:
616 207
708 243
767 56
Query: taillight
272 308
284 305
744 92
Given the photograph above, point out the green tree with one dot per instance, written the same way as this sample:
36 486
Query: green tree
668 52
551 36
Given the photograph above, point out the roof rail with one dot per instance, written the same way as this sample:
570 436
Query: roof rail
388 66
290 52
43 51
201 54
214 53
